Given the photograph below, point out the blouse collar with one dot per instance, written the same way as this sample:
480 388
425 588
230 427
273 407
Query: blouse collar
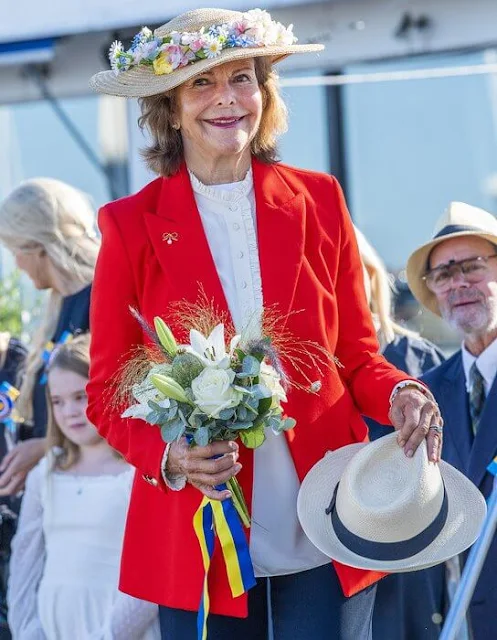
223 192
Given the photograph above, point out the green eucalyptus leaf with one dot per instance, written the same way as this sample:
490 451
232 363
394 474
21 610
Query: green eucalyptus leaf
154 417
201 436
247 424
172 431
259 391
264 405
241 412
226 414
254 437
250 366
289 423
195 419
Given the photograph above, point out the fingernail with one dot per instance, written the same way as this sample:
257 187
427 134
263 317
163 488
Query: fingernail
238 468
233 446
410 453
401 442
226 495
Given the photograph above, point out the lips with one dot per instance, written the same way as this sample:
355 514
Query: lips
77 425
226 122
464 303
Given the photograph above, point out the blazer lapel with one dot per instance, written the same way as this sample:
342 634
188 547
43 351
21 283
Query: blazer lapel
281 236
455 412
485 442
180 244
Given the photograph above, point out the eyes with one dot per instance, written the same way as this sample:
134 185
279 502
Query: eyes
239 78
77 397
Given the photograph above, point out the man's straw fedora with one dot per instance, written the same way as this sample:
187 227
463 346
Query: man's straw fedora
144 78
370 506
458 220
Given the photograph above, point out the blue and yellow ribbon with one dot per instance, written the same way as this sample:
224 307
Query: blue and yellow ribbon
49 349
220 518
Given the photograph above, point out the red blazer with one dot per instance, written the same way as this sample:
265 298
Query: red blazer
310 262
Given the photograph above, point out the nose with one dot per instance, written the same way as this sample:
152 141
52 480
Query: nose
71 409
459 280
226 94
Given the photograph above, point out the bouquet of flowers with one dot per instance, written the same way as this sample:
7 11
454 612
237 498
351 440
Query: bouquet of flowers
215 388
207 391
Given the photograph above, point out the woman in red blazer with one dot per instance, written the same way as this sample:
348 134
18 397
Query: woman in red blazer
252 232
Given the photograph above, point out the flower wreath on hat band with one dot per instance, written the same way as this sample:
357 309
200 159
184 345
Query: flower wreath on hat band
179 49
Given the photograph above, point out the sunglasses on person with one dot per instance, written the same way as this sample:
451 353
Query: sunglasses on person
472 270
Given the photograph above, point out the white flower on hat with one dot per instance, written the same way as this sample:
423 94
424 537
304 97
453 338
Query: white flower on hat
212 46
285 35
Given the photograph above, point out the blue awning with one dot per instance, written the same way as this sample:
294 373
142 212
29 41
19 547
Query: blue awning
27 51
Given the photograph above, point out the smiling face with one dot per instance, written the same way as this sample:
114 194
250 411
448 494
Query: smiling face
69 401
219 112
470 308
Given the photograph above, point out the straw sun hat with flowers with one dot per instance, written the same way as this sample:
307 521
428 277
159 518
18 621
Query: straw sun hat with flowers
193 43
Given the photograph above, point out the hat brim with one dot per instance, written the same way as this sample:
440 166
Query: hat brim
416 267
466 512
141 81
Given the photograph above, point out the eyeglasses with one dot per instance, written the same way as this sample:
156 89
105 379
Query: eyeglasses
473 270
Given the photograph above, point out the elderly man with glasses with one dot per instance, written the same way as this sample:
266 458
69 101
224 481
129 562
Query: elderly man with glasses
455 276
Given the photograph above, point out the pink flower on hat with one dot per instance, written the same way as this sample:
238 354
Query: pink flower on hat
174 54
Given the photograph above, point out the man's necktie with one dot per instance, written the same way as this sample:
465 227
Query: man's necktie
476 395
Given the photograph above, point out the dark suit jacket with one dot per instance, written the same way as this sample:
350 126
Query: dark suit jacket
471 456
408 606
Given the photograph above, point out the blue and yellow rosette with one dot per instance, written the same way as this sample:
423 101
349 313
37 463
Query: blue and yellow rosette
8 397
49 349
220 518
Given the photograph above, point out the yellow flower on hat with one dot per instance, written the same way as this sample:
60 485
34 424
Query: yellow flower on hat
162 66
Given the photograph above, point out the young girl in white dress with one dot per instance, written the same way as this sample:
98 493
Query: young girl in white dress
66 553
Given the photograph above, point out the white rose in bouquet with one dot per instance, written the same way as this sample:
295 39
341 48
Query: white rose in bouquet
213 392
271 379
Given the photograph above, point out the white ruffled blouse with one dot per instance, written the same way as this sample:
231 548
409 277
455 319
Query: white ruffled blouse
278 544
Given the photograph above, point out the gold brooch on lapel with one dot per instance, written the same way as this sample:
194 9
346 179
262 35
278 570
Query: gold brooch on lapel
170 237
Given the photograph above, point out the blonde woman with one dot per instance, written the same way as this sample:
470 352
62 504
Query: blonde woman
49 227
408 606
67 550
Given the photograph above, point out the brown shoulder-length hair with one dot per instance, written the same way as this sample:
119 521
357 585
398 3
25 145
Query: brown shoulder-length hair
165 155
73 356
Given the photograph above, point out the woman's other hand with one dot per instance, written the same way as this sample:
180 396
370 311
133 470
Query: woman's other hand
18 463
205 467
413 413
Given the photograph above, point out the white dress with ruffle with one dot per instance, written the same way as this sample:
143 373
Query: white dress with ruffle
65 561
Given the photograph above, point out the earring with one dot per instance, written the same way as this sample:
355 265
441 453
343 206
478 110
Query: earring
176 126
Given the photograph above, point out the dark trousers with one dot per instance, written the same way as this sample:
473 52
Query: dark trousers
303 606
